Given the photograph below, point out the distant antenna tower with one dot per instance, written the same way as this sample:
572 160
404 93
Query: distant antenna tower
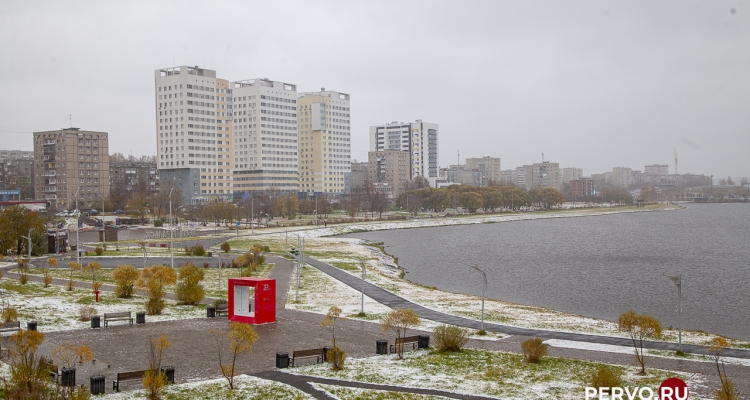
70 118
542 157
676 172
458 158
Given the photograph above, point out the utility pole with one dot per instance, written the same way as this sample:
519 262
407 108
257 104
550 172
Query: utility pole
78 242
252 214
677 279
29 242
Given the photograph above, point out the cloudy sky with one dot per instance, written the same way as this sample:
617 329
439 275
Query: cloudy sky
591 84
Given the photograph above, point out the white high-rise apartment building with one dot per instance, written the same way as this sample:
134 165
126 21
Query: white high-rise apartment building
265 136
419 138
193 133
324 141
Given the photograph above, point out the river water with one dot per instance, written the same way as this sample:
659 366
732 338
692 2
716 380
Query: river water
597 266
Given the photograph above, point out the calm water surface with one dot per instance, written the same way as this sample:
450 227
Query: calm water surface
597 266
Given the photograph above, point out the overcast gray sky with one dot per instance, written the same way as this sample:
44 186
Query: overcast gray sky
591 84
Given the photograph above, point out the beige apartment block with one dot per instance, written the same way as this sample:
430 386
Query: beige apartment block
489 168
324 141
70 161
391 167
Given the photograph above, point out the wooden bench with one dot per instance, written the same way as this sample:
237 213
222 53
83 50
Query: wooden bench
413 340
317 353
53 369
118 316
127 376
222 309
11 326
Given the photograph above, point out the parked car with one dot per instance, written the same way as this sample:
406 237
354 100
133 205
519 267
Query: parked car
93 212
120 212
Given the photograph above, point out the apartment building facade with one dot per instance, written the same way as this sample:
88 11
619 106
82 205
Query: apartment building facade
540 175
489 168
324 142
419 139
391 167
134 176
68 162
359 177
266 138
571 174
193 133
17 172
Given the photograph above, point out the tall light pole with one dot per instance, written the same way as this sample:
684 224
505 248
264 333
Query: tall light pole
78 242
252 215
300 254
364 275
29 241
484 290
677 279
171 247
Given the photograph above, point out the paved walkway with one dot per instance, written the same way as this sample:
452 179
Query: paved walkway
391 300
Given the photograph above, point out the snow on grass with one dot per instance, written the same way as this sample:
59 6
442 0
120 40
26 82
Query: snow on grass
484 373
55 309
246 387
569 344
343 392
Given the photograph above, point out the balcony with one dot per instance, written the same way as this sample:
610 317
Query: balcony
49 142
49 173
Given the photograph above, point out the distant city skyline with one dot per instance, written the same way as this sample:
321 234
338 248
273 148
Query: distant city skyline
592 85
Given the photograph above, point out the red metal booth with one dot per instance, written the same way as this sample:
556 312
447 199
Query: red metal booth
252 300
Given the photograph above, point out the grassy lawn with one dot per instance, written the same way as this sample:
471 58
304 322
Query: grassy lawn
246 387
343 392
483 372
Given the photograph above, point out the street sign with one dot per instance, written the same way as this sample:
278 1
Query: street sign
117 221
238 223
80 223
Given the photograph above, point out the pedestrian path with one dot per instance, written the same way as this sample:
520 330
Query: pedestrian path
391 300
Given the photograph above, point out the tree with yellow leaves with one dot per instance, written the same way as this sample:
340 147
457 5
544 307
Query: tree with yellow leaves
400 320
125 277
241 338
639 327
73 266
51 262
336 356
92 267
155 379
714 348
152 282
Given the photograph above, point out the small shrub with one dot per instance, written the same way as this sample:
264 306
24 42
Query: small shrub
199 251
158 224
47 278
605 377
23 278
225 247
533 349
188 251
71 285
96 285
220 301
188 289
9 314
99 251
450 338
206 264
336 357
125 277
86 312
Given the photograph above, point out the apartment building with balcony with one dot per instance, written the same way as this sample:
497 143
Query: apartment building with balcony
70 161
419 139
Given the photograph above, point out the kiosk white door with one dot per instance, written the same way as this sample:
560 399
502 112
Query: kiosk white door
241 300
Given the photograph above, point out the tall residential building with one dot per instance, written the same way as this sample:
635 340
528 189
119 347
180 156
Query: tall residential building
133 176
541 175
621 177
324 141
17 172
359 177
655 173
70 161
509 177
266 141
489 168
193 133
571 174
419 139
391 167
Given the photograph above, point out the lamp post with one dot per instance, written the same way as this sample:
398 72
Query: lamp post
29 241
78 242
484 290
300 255
252 215
677 279
171 247
364 275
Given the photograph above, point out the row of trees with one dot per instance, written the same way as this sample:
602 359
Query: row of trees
473 198
15 222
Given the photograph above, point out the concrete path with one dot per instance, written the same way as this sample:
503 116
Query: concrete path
391 300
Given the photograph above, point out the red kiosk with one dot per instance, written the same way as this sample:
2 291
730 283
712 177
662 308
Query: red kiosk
252 300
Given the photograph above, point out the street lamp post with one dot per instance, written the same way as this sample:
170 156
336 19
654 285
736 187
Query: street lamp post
364 275
677 279
484 290
171 247
78 242
29 241
252 215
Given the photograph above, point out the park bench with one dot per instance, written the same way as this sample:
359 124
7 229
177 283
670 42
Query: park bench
54 370
317 353
222 309
118 316
413 340
11 326
125 377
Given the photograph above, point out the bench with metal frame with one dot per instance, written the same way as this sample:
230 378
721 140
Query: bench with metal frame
11 326
127 376
413 340
222 309
317 353
118 316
